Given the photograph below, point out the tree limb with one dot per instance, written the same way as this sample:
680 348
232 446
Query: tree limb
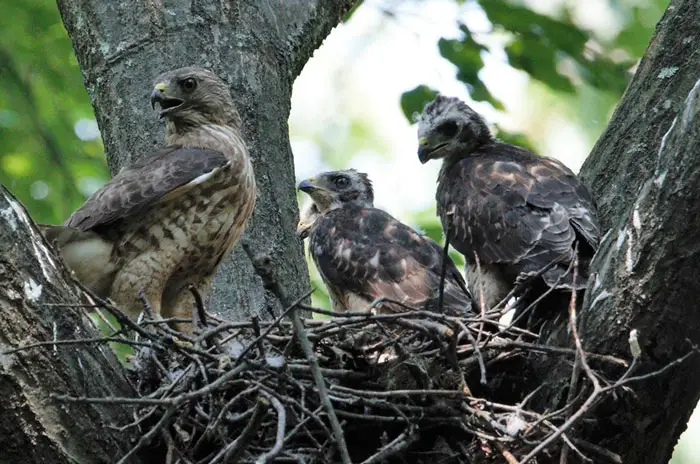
34 427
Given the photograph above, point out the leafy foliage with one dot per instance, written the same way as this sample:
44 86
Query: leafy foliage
466 55
42 159
552 50
412 102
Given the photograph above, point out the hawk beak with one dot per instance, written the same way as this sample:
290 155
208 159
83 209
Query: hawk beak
424 152
166 103
307 186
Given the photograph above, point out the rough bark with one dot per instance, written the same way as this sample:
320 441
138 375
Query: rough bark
645 171
35 428
259 46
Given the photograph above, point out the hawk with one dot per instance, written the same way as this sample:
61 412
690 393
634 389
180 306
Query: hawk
364 254
165 222
516 211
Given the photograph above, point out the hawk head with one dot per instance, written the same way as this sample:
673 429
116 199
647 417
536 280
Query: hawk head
448 124
333 189
192 97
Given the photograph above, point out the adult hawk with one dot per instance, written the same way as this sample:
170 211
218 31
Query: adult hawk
165 222
364 254
518 212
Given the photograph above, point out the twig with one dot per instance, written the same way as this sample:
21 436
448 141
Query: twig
232 452
266 332
573 382
199 306
607 454
146 438
281 424
477 351
395 446
443 271
83 341
266 273
482 303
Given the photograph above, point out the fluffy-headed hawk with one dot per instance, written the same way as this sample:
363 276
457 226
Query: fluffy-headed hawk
517 211
364 254
165 222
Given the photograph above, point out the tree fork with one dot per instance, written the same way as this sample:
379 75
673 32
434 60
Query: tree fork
40 302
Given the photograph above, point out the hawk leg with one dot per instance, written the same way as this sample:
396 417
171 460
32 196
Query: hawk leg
145 272
178 302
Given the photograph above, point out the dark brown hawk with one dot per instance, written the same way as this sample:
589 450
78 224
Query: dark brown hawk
165 222
517 211
364 254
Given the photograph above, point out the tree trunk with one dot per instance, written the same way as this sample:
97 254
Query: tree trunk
35 428
645 173
259 47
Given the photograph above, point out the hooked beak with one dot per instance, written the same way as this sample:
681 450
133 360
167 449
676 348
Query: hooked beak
425 150
424 154
166 103
307 186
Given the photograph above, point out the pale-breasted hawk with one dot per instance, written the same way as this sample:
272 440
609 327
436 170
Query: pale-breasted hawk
165 222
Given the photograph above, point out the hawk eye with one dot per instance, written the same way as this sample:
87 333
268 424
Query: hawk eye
448 129
341 182
189 84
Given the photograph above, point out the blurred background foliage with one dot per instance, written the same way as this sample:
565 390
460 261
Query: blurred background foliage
51 156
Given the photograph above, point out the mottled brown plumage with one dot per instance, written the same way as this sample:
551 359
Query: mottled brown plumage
364 254
517 211
165 222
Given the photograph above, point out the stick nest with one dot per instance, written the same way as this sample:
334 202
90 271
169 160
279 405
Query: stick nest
414 387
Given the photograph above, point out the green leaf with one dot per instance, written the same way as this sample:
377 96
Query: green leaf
466 55
352 11
603 73
550 32
538 60
413 101
539 42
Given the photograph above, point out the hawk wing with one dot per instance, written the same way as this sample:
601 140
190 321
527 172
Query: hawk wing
165 174
366 254
515 208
